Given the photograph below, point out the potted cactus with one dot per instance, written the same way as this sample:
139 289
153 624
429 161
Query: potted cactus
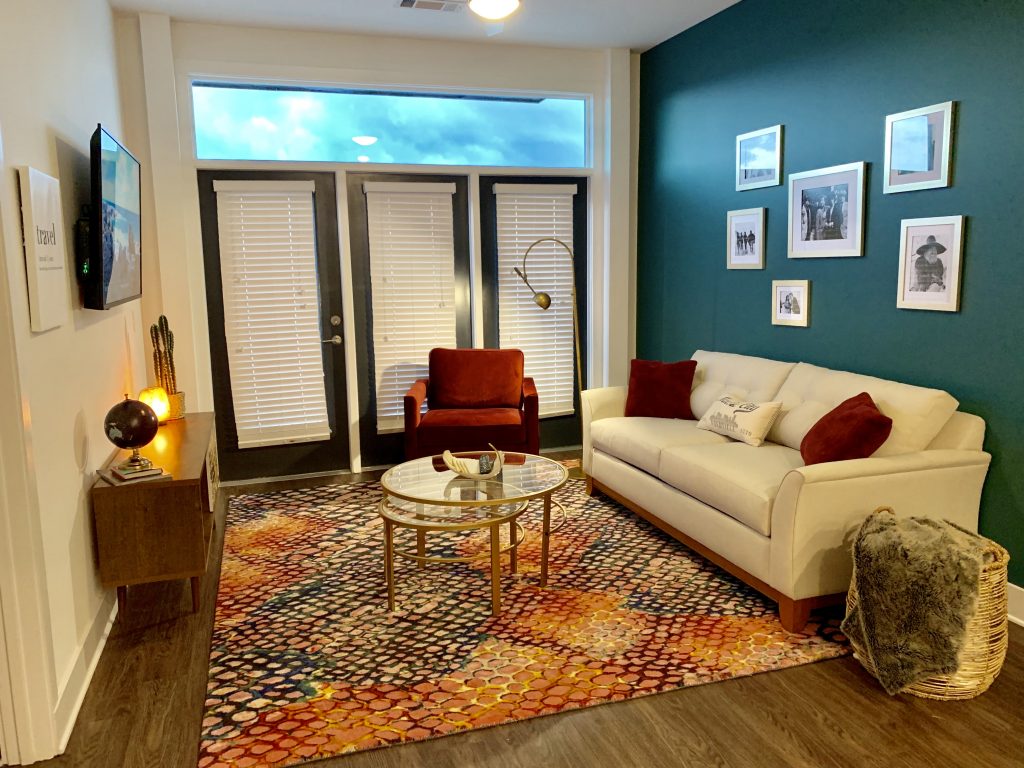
163 365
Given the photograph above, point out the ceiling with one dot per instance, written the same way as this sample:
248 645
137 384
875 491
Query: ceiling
634 24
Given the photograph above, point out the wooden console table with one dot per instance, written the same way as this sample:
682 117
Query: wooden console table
157 530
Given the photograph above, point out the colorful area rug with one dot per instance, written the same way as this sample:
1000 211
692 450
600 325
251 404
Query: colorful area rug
306 663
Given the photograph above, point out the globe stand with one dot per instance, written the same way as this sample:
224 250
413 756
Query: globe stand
135 462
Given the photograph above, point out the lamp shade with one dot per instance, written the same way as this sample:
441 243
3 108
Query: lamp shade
156 398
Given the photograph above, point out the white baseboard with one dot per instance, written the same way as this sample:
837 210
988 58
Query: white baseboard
73 693
1016 599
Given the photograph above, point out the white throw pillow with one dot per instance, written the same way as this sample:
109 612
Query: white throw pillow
739 420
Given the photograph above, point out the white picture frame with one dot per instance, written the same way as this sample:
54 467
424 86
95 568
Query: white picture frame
744 239
826 212
931 255
45 256
791 303
918 148
759 158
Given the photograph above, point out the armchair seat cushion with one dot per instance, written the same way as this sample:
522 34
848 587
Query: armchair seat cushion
454 428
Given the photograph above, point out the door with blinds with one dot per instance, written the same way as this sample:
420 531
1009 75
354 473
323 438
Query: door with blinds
516 212
273 290
410 265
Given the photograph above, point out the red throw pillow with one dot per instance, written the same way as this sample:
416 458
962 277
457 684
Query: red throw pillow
854 429
660 389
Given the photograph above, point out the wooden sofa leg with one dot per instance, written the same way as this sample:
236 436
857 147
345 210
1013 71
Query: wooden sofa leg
794 613
590 486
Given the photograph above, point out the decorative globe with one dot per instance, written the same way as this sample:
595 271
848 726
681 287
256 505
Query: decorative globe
130 424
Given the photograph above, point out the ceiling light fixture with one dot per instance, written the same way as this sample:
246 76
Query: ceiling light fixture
493 9
364 141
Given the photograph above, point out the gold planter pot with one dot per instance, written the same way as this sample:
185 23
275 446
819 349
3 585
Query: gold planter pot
177 403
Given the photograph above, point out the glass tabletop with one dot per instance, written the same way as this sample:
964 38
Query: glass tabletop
428 481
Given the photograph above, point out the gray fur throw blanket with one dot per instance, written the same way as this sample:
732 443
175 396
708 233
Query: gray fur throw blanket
917 590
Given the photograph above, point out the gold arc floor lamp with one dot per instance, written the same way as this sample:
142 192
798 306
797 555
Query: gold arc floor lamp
543 300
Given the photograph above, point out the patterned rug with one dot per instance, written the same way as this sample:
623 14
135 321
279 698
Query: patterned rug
306 663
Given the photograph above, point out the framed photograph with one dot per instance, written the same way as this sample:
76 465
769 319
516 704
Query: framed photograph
826 212
931 251
45 258
791 302
759 158
744 242
918 146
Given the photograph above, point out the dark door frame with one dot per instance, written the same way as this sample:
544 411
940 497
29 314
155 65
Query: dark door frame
296 458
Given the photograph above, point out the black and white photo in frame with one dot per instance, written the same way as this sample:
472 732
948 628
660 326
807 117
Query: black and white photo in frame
826 212
931 252
745 239
918 148
791 302
759 158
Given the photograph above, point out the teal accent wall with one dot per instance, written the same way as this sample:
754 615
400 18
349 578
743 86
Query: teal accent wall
830 72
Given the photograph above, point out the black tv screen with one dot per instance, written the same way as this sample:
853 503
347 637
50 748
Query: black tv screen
114 272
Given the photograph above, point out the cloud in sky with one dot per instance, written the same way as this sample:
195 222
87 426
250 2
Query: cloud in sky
265 124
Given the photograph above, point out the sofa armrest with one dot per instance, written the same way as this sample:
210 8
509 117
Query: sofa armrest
819 508
602 403
531 417
413 406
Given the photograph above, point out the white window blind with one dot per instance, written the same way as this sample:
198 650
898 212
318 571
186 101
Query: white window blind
412 280
272 311
526 213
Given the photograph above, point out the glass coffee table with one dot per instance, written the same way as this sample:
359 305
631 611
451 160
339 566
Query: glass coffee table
425 495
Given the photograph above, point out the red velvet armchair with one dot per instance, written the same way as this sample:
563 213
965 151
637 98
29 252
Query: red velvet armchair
475 397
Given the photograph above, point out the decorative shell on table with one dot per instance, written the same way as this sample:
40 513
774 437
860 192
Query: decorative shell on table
471 467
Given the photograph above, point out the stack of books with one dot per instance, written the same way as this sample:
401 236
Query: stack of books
123 475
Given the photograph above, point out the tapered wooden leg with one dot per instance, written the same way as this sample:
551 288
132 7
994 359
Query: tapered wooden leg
794 613
496 569
389 562
421 546
122 599
590 486
513 556
545 541
195 594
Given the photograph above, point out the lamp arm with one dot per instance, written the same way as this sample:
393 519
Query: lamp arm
572 279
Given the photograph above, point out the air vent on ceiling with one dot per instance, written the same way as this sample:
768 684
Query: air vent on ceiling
452 6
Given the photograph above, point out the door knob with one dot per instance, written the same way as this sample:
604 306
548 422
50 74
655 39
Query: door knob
335 340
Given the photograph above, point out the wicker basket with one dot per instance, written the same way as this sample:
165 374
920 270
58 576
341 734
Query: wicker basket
984 649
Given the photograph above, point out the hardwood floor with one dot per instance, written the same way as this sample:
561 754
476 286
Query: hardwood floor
145 703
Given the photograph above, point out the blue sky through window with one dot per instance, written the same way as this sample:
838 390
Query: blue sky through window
299 125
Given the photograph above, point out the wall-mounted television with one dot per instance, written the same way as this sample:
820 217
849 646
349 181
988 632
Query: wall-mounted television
110 269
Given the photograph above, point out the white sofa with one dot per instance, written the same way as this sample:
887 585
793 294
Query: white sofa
760 513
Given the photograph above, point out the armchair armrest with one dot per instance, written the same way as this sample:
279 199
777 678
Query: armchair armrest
818 509
601 403
413 405
531 417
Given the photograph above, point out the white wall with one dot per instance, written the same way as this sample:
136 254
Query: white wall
58 79
187 50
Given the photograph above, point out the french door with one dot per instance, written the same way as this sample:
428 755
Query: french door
273 290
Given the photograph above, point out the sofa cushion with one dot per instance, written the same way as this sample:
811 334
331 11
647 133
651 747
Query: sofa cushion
660 389
854 429
475 378
918 414
471 428
639 440
737 479
742 376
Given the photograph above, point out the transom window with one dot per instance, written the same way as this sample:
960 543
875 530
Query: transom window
347 126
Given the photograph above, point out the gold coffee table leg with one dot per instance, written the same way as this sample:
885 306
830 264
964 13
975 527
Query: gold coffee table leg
512 556
496 569
421 547
545 541
389 562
